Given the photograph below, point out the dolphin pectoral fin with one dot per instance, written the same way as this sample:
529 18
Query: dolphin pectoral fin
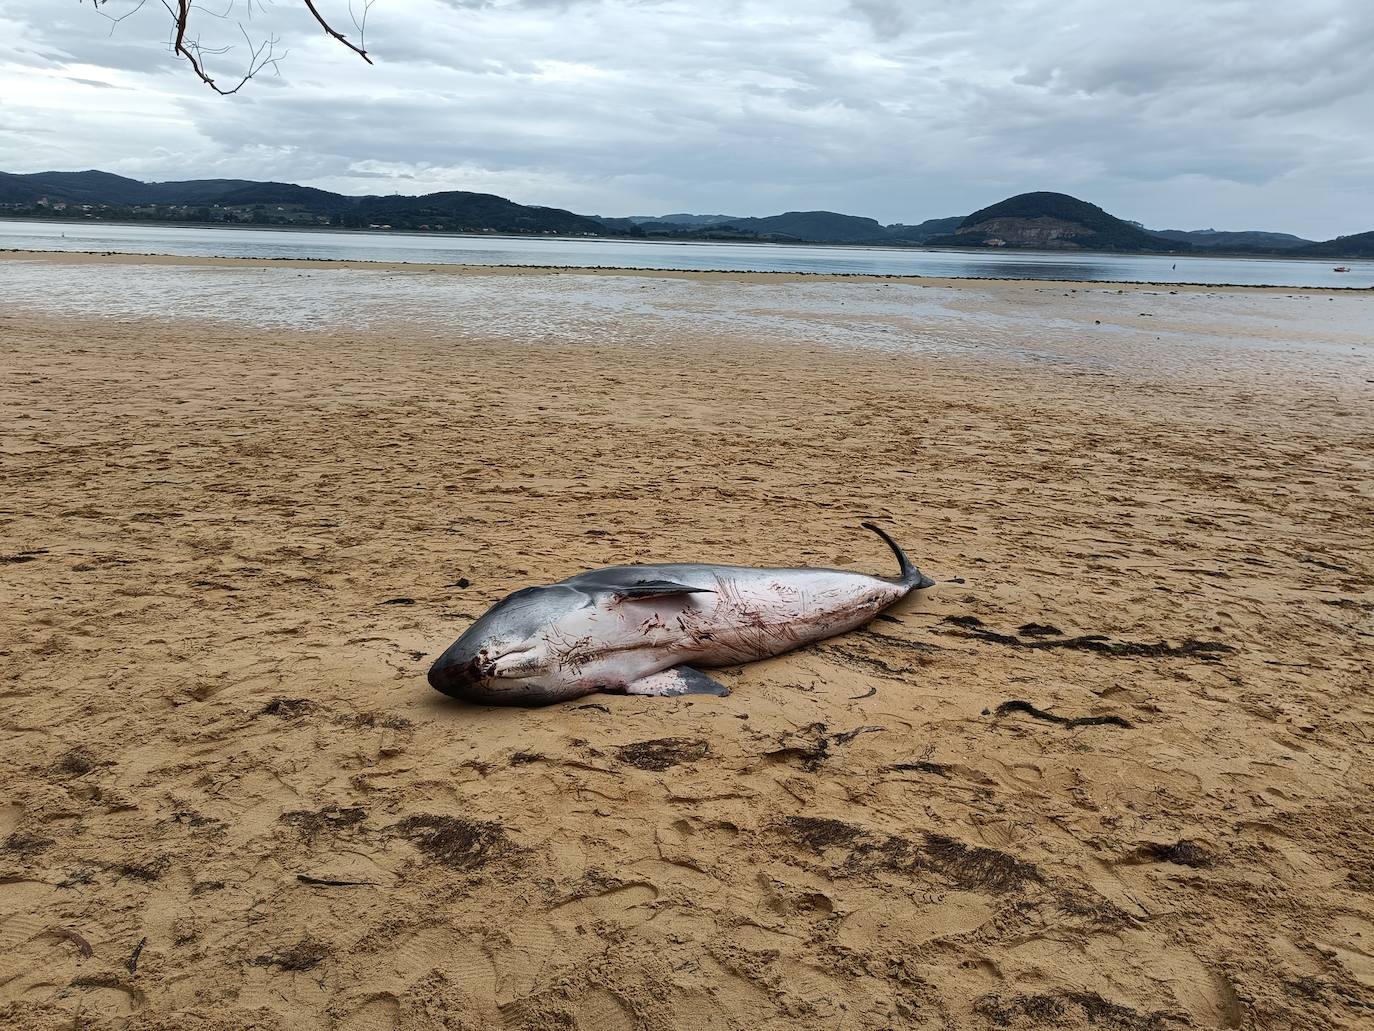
679 680
655 589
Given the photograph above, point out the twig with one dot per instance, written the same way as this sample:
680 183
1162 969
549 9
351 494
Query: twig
81 943
339 35
846 736
329 882
939 769
132 962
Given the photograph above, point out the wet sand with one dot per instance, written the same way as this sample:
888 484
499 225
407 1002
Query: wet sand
229 800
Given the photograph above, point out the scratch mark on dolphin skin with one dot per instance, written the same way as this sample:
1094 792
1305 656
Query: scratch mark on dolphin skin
575 655
571 654
756 634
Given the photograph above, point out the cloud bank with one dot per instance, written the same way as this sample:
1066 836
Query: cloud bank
1236 114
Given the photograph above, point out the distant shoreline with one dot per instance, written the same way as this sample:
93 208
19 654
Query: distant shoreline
875 246
705 275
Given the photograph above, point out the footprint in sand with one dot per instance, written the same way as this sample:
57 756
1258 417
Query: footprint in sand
379 1013
103 994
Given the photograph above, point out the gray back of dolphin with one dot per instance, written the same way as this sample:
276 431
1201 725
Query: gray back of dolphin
644 629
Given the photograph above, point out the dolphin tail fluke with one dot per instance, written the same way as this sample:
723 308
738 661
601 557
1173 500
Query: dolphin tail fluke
912 577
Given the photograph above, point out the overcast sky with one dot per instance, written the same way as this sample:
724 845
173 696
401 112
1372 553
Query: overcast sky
1234 114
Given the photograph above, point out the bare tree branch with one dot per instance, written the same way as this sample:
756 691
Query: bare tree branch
339 35
185 43
112 19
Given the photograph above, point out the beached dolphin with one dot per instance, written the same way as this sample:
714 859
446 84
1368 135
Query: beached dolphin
641 629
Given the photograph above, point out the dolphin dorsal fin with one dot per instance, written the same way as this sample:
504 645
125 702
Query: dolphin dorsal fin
622 590
654 589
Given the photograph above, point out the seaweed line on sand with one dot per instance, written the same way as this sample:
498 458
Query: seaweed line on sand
1017 705
1207 651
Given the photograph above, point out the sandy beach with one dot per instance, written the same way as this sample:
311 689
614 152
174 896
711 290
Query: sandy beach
1121 778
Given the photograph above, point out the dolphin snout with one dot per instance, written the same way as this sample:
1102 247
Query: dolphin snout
455 676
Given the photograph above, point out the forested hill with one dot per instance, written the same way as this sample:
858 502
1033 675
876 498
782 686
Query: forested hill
1243 240
1361 245
1053 221
243 201
1040 221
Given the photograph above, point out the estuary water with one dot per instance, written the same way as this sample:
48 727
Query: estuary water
436 249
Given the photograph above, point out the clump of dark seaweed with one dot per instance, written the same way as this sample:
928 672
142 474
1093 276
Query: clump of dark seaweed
305 954
24 844
662 753
1058 1008
143 870
1180 853
77 762
818 833
287 708
387 720
456 842
970 867
332 818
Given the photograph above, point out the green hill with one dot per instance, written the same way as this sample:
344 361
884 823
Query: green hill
811 226
683 219
1052 221
90 187
1361 245
789 227
460 211
927 230
254 203
240 193
1244 240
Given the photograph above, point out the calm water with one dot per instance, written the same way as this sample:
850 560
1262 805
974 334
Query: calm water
593 253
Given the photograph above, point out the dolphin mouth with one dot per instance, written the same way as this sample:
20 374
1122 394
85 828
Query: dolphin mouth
457 680
515 664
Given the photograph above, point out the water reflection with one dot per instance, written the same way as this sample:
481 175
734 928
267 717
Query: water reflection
734 257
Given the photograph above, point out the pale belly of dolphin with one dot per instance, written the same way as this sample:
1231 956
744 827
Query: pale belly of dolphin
746 616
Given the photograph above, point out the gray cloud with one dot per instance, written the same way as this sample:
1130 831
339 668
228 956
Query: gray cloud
1238 113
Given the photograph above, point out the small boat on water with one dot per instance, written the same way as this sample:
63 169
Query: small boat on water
1340 268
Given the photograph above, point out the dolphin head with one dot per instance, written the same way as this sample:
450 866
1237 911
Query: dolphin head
500 658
